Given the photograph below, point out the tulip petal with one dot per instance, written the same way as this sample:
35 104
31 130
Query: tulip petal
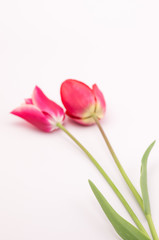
47 105
33 115
100 102
77 98
83 121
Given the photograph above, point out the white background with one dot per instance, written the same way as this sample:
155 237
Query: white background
44 192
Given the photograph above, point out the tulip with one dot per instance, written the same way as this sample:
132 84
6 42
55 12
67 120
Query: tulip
87 106
40 111
81 102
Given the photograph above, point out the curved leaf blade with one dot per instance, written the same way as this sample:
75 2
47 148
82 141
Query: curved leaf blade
143 180
124 229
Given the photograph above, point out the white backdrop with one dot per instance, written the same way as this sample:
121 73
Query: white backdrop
44 191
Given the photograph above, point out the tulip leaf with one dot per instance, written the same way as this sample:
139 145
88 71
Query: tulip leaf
143 180
124 229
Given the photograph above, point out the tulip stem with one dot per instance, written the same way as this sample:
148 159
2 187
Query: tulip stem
122 171
109 181
152 227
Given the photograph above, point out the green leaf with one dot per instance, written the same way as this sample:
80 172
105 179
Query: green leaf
125 230
143 180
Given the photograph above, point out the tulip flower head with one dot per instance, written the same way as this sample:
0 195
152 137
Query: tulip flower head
40 111
81 102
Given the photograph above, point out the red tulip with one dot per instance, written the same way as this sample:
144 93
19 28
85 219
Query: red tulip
40 111
81 102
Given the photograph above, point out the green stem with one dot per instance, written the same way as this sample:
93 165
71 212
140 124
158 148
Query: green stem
152 227
122 171
109 181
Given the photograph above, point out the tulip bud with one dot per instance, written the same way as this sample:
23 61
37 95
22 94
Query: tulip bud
81 102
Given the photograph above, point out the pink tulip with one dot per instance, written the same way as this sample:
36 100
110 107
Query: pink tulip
82 102
40 111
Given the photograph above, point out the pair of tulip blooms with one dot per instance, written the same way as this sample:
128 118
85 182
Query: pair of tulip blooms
87 106
81 102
